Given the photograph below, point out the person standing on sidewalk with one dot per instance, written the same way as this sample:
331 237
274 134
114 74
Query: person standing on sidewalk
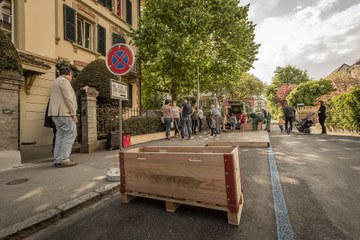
255 121
185 119
201 117
289 114
217 116
62 109
168 116
322 116
176 115
194 120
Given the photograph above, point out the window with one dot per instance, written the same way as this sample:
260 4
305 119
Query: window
117 38
84 33
128 12
101 40
69 24
106 3
6 17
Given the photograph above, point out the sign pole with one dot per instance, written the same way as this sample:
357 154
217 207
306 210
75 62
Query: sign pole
120 123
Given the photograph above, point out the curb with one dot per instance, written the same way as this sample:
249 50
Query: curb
28 226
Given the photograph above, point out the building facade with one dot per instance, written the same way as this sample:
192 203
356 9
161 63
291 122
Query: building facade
78 30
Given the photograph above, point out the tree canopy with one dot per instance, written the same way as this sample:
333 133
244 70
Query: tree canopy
215 36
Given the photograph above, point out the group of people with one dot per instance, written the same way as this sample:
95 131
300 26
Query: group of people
190 117
289 116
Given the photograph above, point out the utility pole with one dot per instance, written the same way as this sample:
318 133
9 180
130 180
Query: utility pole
198 87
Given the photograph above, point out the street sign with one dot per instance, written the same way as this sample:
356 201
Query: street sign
118 90
120 59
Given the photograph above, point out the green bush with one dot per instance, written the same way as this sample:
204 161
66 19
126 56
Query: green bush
142 125
96 75
9 58
344 111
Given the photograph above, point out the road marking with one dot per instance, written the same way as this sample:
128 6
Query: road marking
283 224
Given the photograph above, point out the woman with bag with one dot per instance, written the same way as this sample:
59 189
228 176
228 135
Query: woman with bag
176 115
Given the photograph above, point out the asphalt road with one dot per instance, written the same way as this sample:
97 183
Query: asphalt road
320 179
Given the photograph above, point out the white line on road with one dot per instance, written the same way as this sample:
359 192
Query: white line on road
283 224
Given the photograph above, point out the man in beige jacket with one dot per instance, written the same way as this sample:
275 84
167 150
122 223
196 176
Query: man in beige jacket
62 109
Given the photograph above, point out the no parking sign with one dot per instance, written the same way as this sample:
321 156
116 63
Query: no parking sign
120 59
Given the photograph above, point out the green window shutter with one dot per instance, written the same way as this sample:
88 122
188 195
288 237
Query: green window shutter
101 40
130 102
129 12
117 38
103 2
69 24
109 4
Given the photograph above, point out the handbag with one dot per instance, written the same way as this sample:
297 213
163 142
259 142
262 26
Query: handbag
172 125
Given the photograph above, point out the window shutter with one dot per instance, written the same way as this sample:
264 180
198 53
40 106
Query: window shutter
69 24
117 38
101 40
130 102
103 2
109 4
128 12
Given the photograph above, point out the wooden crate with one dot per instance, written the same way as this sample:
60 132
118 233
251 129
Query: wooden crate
248 126
200 176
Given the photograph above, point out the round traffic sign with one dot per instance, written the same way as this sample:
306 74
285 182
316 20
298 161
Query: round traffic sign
120 59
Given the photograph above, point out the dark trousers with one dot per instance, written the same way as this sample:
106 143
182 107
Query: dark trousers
194 125
185 121
213 132
200 124
322 123
287 121
54 140
176 126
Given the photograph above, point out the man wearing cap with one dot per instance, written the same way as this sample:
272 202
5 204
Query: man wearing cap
62 109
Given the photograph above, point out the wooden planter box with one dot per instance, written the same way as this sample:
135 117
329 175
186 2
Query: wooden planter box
199 176
248 126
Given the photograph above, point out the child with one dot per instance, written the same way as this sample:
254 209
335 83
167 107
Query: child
281 124
242 121
213 126
232 122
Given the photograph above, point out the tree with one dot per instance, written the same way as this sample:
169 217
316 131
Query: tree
308 92
283 92
246 87
283 76
215 36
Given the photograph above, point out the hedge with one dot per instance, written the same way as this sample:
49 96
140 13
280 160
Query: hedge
344 111
9 58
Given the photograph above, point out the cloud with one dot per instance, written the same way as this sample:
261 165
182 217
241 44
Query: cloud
307 36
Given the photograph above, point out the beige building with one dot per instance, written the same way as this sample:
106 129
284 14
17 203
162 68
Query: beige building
78 30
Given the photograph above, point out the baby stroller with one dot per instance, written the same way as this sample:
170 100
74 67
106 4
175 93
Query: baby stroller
304 124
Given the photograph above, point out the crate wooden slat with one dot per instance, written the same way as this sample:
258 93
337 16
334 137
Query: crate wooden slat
199 176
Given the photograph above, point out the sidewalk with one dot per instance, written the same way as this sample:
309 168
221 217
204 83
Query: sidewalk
37 192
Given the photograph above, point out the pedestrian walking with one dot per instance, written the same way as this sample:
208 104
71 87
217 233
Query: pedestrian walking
255 121
289 114
168 117
322 116
62 109
213 126
217 116
268 121
185 119
281 123
176 115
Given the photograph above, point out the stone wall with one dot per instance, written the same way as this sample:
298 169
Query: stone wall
9 110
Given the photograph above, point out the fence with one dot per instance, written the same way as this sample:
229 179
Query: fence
135 121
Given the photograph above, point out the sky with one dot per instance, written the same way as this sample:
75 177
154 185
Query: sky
313 35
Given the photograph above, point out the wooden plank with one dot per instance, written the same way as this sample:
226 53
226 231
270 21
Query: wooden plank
239 144
171 206
234 218
187 149
126 198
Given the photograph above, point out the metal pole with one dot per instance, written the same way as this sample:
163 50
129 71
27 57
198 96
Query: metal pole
120 123
198 87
